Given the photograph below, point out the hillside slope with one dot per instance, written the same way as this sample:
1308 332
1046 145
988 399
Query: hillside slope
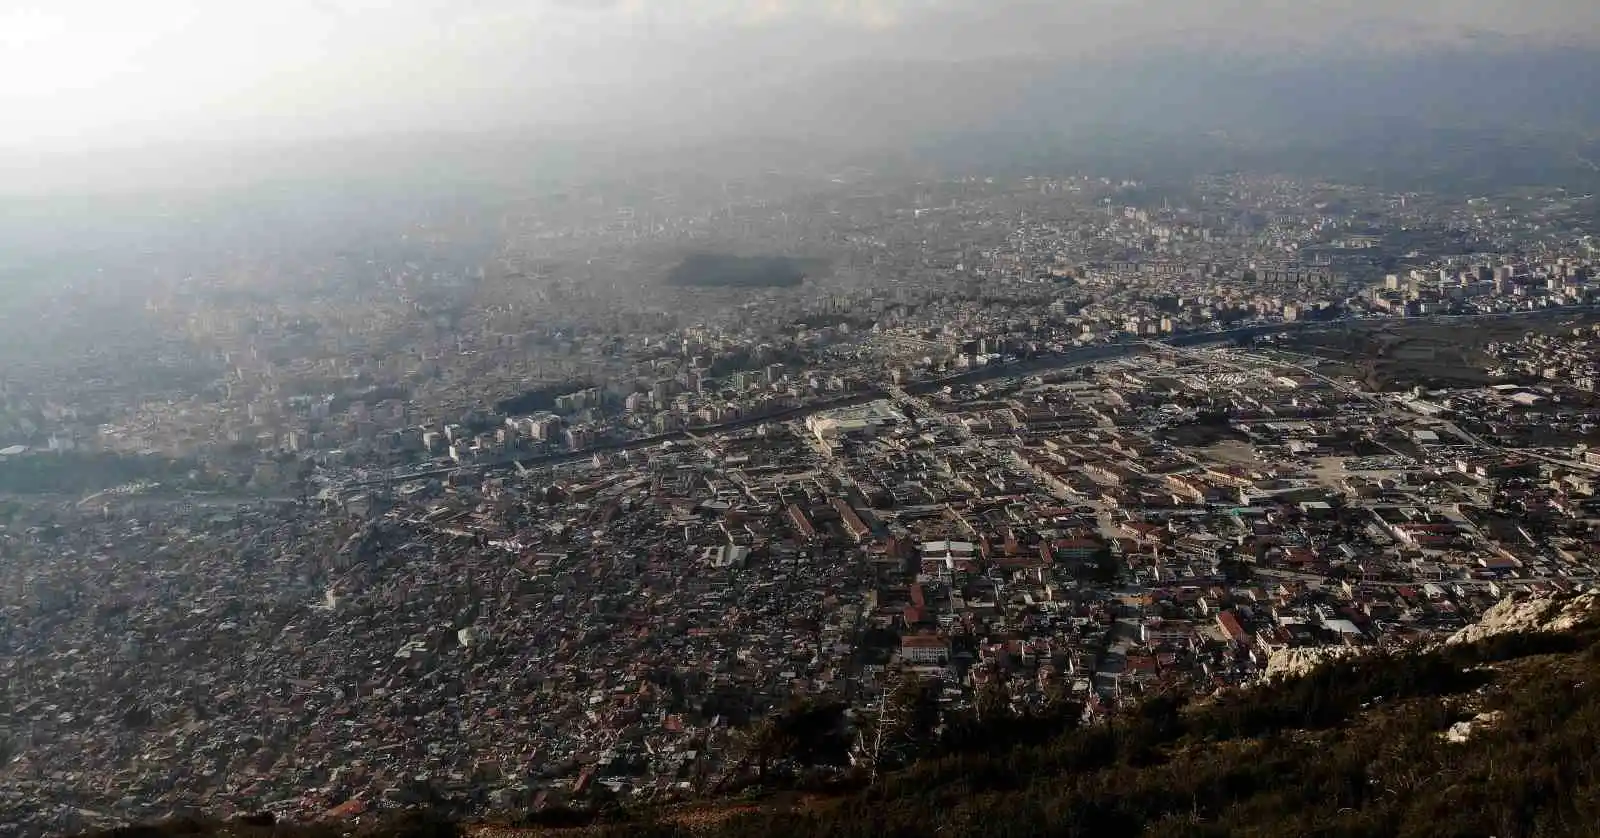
1496 733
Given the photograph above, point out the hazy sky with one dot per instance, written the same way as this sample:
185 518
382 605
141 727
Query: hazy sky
111 72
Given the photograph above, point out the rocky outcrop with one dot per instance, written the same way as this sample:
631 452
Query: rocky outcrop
1532 615
1292 663
1518 613
1461 732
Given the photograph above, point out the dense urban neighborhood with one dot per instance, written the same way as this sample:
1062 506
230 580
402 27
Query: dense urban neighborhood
565 519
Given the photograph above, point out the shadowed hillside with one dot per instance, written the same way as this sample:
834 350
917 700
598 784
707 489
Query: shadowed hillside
718 270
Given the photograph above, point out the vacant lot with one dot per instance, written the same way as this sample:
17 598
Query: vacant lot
1398 355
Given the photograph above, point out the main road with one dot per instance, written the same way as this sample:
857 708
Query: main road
1093 353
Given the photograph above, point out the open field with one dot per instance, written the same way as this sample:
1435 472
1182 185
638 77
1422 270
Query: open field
1396 354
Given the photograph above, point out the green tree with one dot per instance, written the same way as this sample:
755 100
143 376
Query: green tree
759 744
993 699
1106 567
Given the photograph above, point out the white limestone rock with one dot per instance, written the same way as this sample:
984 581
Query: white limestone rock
1460 732
1293 663
1537 614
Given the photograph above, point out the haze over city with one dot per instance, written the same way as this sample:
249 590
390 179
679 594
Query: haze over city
156 77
